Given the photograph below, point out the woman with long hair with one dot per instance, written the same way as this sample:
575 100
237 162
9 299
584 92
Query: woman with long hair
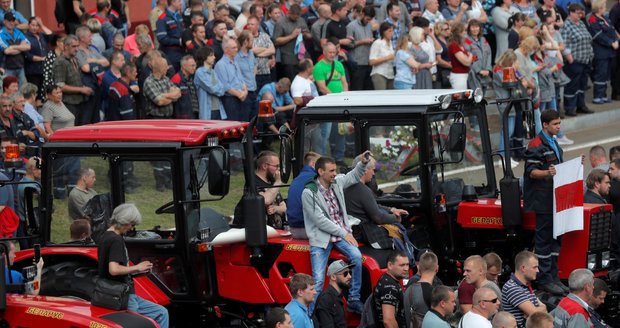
405 65
477 45
208 86
515 22
381 58
460 58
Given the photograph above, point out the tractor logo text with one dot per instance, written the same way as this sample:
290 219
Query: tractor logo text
298 248
93 324
45 313
486 220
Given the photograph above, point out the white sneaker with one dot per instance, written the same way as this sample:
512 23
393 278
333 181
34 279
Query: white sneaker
564 141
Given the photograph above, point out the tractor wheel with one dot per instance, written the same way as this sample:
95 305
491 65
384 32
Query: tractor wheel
69 279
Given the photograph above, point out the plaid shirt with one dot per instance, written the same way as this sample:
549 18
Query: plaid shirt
334 210
153 89
578 40
398 29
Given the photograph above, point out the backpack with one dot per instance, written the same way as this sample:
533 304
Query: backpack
368 314
414 315
59 11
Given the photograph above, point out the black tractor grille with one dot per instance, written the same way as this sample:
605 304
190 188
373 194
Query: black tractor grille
600 230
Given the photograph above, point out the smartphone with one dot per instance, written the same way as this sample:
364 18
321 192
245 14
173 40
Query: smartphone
37 253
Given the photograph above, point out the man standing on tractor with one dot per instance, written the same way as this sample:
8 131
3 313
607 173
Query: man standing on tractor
542 154
327 224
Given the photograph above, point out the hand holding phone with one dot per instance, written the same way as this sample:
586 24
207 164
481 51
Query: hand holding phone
37 253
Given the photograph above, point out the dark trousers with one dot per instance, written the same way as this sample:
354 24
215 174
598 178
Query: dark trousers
615 77
547 249
574 96
174 56
600 76
249 107
37 79
65 174
289 71
360 78
232 106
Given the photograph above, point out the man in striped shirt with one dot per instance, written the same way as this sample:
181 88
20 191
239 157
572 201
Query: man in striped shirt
518 297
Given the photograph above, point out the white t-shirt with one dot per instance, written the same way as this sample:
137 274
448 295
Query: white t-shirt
474 320
380 49
302 87
429 47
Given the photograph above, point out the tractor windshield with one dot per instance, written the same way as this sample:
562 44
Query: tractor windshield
467 168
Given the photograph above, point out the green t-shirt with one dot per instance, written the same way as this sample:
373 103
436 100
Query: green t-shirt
322 70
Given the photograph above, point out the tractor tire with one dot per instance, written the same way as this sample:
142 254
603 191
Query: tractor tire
69 279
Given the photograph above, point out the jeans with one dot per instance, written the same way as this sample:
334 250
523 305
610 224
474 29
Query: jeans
337 142
18 73
148 309
319 257
400 85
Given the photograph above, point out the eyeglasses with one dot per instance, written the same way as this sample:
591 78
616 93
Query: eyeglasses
491 301
345 273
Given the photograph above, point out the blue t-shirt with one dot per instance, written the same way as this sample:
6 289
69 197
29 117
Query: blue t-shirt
15 275
403 70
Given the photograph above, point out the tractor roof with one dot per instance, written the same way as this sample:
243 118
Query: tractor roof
382 98
189 132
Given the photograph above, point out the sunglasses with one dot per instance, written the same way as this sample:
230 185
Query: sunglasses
345 273
491 301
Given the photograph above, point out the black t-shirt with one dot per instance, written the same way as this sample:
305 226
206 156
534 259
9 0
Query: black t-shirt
614 196
336 29
111 248
389 291
274 220
117 5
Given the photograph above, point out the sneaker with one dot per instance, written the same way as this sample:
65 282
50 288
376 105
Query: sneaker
355 306
564 141
598 101
608 100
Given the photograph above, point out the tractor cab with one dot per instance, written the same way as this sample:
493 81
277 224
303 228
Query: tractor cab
428 145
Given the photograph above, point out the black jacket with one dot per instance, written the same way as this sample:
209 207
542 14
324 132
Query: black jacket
329 310
593 198
538 193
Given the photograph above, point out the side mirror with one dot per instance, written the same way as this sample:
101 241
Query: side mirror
456 138
286 151
219 172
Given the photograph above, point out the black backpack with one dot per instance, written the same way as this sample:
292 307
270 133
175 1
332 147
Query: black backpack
368 314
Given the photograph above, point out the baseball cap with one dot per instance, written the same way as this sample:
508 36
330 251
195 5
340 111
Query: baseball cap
9 16
337 267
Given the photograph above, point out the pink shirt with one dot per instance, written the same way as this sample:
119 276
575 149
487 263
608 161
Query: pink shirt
131 46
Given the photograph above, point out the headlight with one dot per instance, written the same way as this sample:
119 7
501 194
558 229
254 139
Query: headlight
605 259
478 95
591 261
445 101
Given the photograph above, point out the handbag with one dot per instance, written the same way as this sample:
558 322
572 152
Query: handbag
110 294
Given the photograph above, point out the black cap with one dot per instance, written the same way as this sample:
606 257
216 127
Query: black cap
9 16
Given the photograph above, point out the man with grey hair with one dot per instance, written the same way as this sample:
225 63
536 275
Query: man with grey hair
361 204
67 75
229 74
572 311
504 319
114 261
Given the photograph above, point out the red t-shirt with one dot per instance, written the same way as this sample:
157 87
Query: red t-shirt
457 67
466 291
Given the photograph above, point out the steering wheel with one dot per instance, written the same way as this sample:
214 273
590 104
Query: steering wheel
167 208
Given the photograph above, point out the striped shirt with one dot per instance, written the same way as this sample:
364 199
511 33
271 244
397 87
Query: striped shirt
514 293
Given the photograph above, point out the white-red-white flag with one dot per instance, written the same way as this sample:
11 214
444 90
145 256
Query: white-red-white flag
568 197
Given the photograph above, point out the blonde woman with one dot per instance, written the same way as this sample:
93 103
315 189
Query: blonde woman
405 64
423 76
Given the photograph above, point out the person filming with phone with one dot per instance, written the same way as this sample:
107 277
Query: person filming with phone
114 261
14 277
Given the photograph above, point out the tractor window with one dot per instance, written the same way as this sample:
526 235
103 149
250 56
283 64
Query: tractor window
470 170
148 184
395 148
81 190
333 139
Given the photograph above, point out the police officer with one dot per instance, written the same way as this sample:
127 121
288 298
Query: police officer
541 156
169 31
604 44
